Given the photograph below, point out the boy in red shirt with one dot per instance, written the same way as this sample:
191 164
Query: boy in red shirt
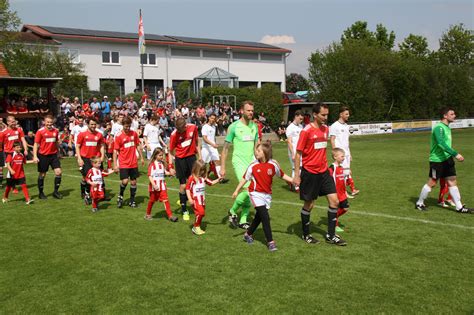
183 145
95 178
336 170
16 173
126 145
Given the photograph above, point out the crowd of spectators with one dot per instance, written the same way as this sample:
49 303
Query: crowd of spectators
106 111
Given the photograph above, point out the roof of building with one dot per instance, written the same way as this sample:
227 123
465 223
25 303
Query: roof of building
216 73
3 71
32 38
58 33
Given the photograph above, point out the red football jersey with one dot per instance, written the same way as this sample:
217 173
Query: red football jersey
11 136
185 143
90 143
337 173
126 145
96 176
157 171
312 145
110 143
261 175
197 188
16 161
1 140
47 140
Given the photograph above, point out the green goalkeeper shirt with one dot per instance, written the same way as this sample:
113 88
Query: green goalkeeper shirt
243 137
441 143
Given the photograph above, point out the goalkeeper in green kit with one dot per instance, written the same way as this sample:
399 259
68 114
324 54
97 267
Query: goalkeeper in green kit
442 162
243 135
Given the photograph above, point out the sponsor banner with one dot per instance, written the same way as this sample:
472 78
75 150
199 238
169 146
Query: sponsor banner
460 123
411 126
371 129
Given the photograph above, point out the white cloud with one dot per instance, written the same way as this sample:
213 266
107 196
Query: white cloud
277 39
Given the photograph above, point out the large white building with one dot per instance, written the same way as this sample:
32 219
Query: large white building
169 60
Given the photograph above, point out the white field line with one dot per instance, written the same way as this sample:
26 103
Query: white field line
296 204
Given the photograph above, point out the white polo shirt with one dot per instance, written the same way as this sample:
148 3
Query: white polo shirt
152 133
341 132
293 132
210 132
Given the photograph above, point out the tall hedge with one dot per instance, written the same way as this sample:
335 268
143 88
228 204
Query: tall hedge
266 99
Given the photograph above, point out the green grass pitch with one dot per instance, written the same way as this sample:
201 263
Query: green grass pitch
58 257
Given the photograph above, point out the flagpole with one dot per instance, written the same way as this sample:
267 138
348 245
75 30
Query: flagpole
141 59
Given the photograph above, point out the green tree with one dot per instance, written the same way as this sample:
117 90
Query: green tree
296 82
414 46
9 23
456 46
360 32
42 63
109 88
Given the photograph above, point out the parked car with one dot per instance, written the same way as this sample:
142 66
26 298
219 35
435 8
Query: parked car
288 97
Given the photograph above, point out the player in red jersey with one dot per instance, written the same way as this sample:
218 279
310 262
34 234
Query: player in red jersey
46 154
260 174
184 145
10 135
2 154
126 145
157 186
314 179
109 143
16 173
196 193
89 144
337 171
95 178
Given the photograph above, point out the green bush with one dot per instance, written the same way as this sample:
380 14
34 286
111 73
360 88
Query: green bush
266 100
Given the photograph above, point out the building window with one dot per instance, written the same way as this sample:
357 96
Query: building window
215 54
185 52
111 57
245 55
148 59
270 57
73 54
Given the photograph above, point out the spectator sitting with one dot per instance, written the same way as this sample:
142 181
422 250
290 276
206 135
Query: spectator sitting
43 106
117 103
30 141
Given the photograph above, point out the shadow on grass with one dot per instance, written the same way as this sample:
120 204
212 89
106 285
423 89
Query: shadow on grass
296 229
430 203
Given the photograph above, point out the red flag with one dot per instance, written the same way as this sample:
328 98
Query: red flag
141 35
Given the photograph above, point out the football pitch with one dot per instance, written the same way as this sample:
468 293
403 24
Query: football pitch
58 257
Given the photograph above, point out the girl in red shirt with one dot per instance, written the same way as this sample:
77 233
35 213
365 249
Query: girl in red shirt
16 173
157 188
196 193
261 173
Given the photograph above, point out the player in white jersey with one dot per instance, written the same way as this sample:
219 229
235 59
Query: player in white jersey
339 135
117 125
152 136
75 131
293 134
209 153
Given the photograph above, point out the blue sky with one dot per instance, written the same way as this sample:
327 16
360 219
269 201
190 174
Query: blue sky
300 25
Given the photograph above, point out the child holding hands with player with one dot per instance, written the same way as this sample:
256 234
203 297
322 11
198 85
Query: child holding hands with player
260 174
95 178
157 170
336 170
196 193
16 173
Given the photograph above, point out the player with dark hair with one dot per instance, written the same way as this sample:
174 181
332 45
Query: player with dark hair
184 145
126 145
442 162
89 144
46 154
315 180
292 135
243 134
339 135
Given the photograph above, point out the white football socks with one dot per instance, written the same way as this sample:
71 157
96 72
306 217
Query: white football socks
218 170
423 194
456 195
